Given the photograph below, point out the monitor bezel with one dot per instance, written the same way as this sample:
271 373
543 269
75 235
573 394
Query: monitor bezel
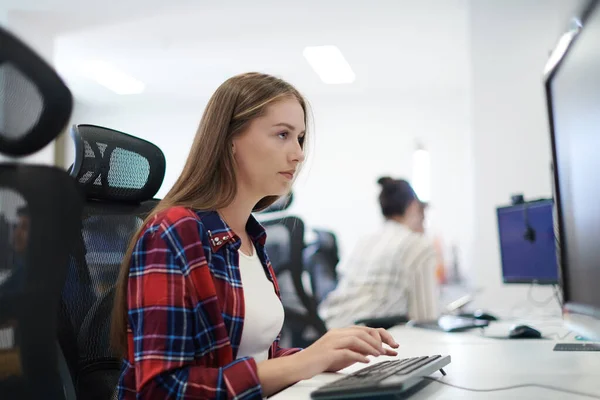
578 317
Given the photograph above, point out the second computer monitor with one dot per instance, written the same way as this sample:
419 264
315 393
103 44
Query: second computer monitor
527 243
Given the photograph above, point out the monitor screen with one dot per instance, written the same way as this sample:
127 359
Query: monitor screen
527 243
573 92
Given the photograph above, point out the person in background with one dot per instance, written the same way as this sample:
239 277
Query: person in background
197 313
390 272
21 236
12 270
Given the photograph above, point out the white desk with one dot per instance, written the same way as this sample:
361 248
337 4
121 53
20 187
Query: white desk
480 362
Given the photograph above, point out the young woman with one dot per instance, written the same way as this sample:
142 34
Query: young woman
389 272
197 312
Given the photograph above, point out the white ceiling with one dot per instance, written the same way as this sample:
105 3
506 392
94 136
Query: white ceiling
184 49
57 16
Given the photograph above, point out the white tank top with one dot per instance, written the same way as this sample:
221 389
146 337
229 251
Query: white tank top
264 314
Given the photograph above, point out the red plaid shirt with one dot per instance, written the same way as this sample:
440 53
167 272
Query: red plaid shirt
186 311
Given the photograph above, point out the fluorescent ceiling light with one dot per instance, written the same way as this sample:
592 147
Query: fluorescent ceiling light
329 63
112 78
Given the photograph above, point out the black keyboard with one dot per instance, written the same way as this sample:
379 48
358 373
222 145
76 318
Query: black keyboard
383 378
577 347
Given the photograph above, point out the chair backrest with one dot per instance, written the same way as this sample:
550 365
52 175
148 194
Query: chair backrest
285 244
119 175
320 261
39 221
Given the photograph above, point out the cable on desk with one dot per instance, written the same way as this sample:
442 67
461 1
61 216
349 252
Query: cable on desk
545 302
558 337
524 385
530 301
558 295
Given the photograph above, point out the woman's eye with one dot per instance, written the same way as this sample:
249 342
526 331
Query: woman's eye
283 135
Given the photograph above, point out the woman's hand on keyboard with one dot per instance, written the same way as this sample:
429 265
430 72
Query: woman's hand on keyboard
340 348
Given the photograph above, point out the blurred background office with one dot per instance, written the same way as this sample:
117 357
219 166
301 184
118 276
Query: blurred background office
447 93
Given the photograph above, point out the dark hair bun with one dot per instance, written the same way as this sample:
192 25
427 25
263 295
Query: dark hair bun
396 195
385 181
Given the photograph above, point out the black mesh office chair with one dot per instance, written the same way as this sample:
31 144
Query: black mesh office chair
40 208
321 257
285 244
119 175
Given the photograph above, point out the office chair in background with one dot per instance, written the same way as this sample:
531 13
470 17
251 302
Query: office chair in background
119 175
285 245
321 257
298 270
40 208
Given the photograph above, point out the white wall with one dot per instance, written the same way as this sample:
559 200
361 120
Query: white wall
360 139
510 42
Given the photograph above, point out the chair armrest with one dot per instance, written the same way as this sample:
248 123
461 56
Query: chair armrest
383 322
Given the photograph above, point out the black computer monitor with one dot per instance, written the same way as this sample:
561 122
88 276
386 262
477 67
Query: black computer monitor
527 243
572 80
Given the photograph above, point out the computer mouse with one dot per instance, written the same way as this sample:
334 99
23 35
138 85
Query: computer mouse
480 314
524 332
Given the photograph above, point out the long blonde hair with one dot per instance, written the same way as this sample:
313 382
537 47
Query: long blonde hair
208 180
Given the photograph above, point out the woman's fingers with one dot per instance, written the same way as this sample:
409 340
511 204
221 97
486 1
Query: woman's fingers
382 336
390 352
387 338
373 340
366 341
348 355
357 344
358 333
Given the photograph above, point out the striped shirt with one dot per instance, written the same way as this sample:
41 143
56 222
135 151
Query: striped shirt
186 311
388 273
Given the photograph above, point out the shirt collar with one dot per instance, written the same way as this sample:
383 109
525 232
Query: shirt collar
220 233
394 223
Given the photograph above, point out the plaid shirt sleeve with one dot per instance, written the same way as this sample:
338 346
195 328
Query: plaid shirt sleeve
277 351
177 329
